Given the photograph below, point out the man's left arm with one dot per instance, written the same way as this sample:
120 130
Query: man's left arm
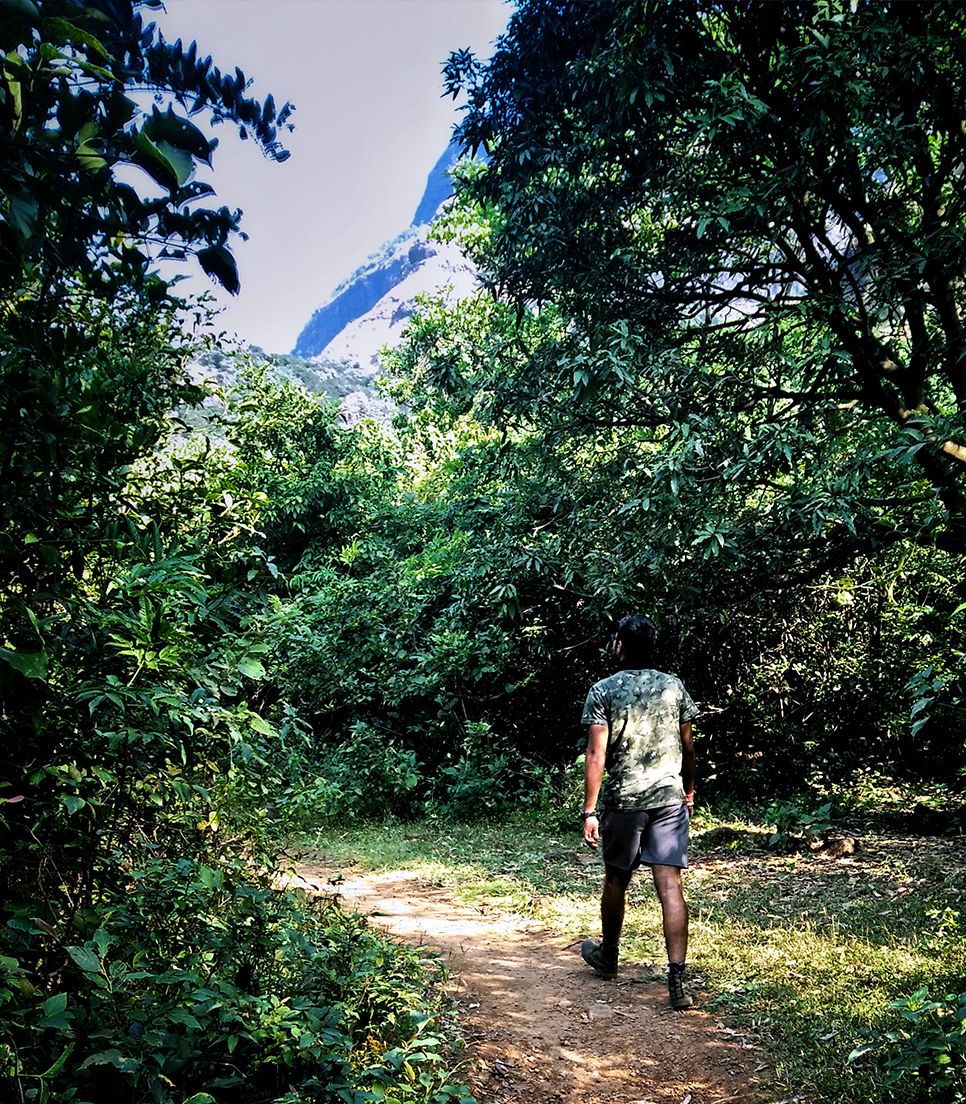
688 764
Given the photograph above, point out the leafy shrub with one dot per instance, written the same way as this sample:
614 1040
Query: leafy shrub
557 793
197 983
369 777
928 1042
487 775
794 822
365 776
305 803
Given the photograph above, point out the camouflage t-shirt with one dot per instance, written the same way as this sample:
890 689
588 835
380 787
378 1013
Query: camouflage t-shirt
643 711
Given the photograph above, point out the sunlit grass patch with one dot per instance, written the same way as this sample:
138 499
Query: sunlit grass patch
808 992
807 951
456 852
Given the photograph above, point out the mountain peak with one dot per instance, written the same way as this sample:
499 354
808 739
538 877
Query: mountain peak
438 188
392 264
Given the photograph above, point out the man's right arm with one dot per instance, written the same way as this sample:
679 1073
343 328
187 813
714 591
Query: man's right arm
593 776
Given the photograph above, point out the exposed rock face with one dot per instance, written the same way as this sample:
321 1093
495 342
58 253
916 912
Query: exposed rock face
438 188
422 267
357 296
370 309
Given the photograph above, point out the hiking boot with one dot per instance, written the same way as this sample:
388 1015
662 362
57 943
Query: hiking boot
602 959
679 997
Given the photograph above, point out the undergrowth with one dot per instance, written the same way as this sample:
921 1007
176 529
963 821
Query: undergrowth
204 984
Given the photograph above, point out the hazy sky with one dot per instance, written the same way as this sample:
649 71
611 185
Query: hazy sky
370 124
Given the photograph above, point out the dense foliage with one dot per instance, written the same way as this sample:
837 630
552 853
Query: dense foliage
767 195
145 953
574 446
473 585
199 984
714 373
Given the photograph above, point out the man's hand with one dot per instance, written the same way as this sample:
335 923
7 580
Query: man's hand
591 832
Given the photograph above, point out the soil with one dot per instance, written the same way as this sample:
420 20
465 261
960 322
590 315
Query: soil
539 1025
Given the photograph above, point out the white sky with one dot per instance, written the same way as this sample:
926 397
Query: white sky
370 124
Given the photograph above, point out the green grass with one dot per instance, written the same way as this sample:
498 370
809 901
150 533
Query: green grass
801 951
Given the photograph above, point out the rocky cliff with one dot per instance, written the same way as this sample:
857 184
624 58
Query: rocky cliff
369 310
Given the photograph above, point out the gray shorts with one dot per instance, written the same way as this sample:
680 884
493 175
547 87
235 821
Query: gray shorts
649 836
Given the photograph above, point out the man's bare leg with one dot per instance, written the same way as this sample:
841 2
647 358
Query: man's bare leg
603 956
612 905
674 909
667 882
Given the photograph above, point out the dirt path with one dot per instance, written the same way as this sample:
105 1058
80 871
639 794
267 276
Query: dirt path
540 1027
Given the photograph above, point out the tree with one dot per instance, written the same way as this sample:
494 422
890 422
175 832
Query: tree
73 125
144 954
90 361
769 194
97 185
787 636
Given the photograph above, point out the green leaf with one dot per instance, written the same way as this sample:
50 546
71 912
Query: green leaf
112 1057
260 725
89 157
860 1051
219 264
16 99
920 705
181 163
14 14
172 130
253 669
182 1016
60 1061
85 959
30 664
57 1022
149 156
93 70
62 31
54 1005
209 878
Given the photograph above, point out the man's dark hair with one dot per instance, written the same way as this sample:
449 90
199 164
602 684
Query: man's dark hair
639 636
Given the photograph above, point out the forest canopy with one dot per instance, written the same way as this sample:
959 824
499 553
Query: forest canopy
767 195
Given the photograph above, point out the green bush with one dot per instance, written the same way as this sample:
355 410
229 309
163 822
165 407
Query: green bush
367 775
196 983
925 1049
794 822
477 781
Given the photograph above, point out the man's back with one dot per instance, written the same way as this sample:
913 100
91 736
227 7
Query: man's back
643 710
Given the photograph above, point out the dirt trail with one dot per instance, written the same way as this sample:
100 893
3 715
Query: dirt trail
542 1028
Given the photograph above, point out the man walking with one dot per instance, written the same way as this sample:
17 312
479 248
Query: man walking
639 728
